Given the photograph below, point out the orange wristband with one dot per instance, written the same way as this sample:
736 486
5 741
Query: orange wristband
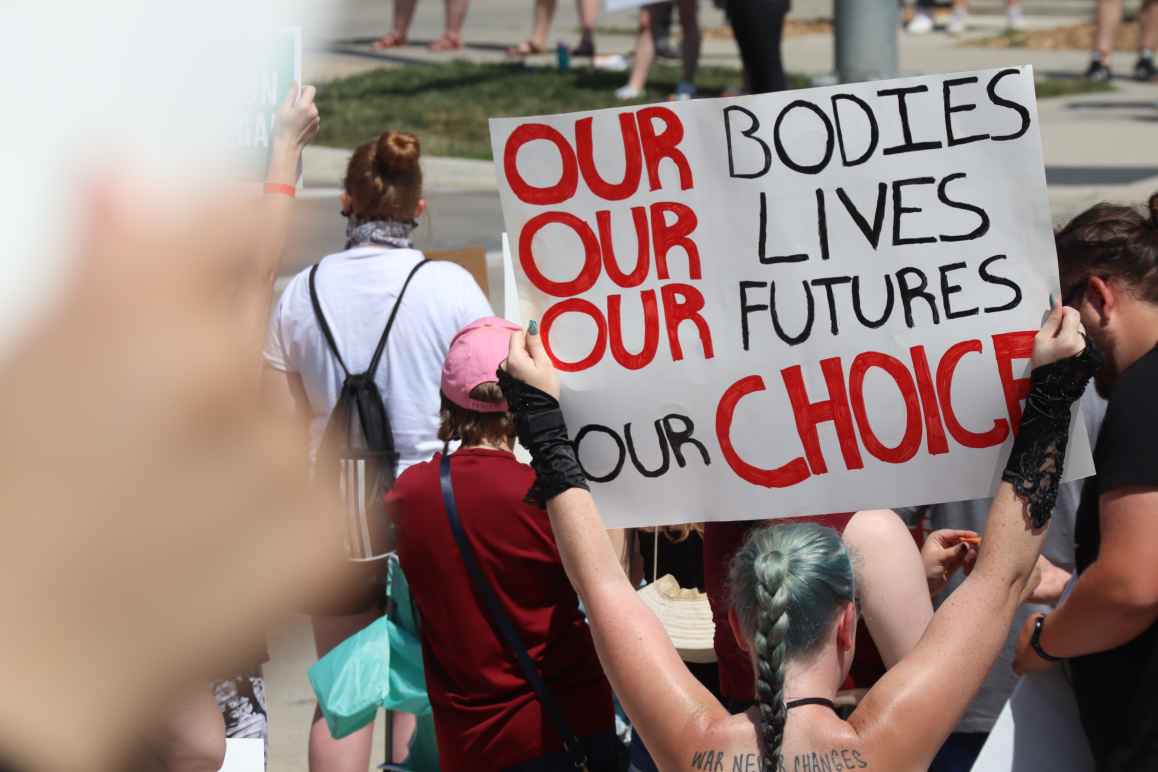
277 189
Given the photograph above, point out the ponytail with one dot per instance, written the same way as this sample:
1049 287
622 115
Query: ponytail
789 583
771 642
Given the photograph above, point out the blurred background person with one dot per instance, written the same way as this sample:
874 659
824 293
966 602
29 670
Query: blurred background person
661 17
542 16
1109 18
357 288
758 26
451 39
922 21
646 47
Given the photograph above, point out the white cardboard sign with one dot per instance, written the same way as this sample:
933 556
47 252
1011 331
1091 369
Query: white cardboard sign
806 302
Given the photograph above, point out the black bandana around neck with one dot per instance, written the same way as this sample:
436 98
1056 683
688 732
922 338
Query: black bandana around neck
387 233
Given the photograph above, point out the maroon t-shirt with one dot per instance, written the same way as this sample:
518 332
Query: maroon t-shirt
485 714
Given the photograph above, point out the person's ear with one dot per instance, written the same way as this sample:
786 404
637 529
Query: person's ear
1102 297
347 204
846 628
737 630
420 209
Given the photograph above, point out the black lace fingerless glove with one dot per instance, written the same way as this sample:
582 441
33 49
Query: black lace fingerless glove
542 430
1035 464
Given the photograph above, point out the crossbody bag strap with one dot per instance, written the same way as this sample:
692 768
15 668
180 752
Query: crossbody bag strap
502 622
321 318
390 322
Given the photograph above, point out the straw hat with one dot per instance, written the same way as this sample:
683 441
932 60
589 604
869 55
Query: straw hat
686 616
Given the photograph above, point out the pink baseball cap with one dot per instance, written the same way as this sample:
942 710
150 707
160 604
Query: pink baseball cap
474 356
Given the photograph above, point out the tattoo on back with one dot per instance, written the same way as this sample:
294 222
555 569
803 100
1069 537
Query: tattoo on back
833 760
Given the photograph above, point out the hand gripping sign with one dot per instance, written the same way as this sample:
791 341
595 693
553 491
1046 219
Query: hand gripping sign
796 303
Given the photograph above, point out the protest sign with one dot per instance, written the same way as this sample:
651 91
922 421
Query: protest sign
806 302
275 69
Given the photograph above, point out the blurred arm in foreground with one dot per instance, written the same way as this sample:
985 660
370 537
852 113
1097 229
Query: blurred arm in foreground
155 519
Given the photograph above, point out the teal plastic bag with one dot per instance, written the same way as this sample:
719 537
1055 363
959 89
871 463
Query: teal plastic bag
353 679
380 666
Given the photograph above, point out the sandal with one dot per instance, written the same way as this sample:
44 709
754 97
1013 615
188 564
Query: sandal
526 48
389 40
448 42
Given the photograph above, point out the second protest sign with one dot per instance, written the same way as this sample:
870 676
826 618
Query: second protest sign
796 303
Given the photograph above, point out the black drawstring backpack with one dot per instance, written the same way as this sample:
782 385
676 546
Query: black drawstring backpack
357 454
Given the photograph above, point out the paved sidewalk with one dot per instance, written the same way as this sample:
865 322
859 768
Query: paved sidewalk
1101 144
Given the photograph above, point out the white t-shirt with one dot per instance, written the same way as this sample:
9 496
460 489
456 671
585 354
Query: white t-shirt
356 289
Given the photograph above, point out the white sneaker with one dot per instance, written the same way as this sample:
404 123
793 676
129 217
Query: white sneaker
1016 19
627 93
611 63
920 24
956 24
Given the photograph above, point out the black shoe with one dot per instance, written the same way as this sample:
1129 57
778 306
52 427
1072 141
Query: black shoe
1144 69
585 48
1098 73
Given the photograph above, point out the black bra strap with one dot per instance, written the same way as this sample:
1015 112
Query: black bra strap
810 701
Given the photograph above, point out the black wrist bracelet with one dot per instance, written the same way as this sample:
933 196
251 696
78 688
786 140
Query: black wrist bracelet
1035 640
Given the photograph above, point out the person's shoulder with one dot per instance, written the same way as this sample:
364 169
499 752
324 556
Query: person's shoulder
1125 453
1141 378
1133 406
297 287
412 482
416 474
298 284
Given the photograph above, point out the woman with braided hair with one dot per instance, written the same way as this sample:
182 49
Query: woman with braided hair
795 606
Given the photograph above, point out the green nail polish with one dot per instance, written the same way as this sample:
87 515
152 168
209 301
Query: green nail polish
532 327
